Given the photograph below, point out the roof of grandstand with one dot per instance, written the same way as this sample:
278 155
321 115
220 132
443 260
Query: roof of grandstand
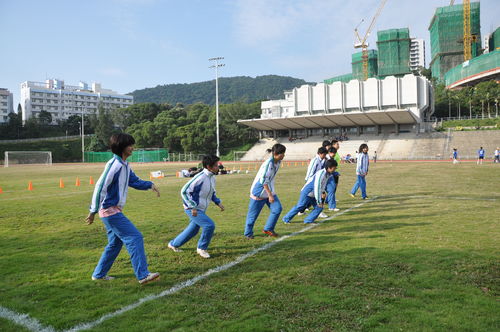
350 119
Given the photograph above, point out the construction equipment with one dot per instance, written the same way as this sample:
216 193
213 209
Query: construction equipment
361 42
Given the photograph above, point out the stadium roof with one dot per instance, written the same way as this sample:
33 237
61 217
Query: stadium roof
350 119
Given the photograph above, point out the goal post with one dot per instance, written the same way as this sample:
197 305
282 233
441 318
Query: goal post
13 158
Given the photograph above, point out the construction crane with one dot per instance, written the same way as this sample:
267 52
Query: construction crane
361 42
468 37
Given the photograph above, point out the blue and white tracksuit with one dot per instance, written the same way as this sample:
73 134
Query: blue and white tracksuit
310 194
259 198
314 165
361 171
197 194
111 191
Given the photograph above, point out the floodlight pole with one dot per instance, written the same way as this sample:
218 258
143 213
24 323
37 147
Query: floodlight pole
216 66
83 140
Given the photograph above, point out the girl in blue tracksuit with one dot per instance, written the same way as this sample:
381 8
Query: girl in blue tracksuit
263 193
313 193
196 196
108 200
361 171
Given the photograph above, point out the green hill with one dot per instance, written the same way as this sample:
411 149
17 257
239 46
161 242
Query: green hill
231 89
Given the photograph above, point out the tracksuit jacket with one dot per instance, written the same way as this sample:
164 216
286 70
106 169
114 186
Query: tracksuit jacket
314 165
265 175
112 187
199 191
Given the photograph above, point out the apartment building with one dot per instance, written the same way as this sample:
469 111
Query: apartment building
417 53
62 100
6 107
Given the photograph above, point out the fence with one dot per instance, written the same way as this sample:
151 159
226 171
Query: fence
141 156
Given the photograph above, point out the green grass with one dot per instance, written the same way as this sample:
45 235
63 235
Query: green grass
417 258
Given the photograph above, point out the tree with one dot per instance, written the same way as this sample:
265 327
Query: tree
45 117
103 127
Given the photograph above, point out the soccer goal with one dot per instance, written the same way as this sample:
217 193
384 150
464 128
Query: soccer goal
13 158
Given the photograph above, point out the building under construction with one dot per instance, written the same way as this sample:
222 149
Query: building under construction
393 52
447 37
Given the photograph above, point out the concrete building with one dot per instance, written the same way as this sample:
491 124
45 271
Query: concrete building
375 106
417 53
6 105
62 100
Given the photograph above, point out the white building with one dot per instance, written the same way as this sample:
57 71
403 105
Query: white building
417 53
6 106
62 100
399 104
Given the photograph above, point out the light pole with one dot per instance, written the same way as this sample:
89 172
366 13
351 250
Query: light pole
83 141
216 66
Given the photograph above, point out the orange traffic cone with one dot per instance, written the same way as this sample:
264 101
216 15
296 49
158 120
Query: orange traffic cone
61 183
1 191
77 183
91 180
30 186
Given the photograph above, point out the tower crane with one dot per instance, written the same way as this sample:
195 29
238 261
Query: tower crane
468 37
361 41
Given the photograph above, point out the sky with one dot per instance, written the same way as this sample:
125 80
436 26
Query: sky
133 44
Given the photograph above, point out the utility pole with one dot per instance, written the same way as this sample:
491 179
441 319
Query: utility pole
216 66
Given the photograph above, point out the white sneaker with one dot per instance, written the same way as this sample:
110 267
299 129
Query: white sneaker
322 215
300 213
203 253
149 278
170 246
103 278
334 210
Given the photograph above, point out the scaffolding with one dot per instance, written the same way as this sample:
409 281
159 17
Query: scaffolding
393 52
494 42
341 78
447 37
357 65
484 64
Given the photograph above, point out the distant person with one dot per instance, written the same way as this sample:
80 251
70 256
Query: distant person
363 161
497 155
313 193
110 195
480 156
454 156
263 193
375 156
196 196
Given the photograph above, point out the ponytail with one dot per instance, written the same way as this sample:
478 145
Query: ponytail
277 149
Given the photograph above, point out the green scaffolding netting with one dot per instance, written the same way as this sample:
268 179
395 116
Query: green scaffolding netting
393 52
357 65
480 64
494 42
142 156
447 31
341 78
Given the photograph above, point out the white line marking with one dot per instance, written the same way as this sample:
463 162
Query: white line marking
24 320
190 282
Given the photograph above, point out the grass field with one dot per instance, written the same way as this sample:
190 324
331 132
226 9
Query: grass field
421 255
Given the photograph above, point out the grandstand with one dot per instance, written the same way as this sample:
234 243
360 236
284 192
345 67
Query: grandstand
404 146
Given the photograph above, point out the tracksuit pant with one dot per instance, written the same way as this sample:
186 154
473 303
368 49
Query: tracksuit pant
360 183
304 200
207 230
121 231
254 208
331 188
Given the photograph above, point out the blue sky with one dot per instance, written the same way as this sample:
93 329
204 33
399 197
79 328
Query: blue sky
133 44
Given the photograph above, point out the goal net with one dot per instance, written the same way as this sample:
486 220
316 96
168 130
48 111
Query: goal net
13 158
